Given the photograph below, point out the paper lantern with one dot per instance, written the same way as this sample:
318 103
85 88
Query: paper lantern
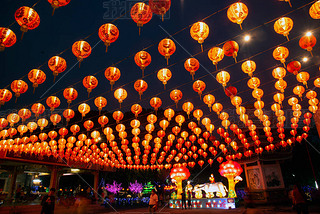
237 12
22 129
140 86
231 91
209 99
117 116
108 33
120 94
215 54
84 109
179 174
141 14
199 86
198 113
53 102
57 65
5 96
279 73
24 114
100 102
160 7
283 26
231 48
188 108
112 74
90 82
136 109
199 31
280 85
88 125
303 77
164 75
230 170
217 107
37 77
42 123
166 48
169 113
176 95
70 94
27 18
248 67
253 82
55 119
257 93
191 65
142 59
281 53
19 87
81 49
13 118
58 3
314 10
68 114
155 102
180 119
151 118
37 109
294 67
223 78
103 120
307 42
7 38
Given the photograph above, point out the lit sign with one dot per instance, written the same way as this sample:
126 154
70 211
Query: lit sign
218 203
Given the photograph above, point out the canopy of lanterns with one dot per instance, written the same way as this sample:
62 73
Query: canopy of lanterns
172 138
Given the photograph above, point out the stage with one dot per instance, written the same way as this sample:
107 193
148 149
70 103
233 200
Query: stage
211 203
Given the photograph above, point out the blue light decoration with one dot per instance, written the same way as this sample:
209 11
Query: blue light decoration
135 187
216 203
114 188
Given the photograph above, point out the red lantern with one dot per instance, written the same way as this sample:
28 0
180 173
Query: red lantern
53 102
7 38
231 91
57 65
70 94
27 18
37 77
112 74
142 59
166 48
19 87
294 67
191 65
308 42
160 7
81 49
108 33
58 3
37 109
5 96
100 102
90 82
231 48
141 14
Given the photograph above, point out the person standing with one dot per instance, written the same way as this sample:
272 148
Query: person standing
153 203
183 199
299 200
189 199
48 202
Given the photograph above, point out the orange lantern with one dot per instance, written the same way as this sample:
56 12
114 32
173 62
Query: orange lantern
198 114
120 94
5 96
55 119
209 99
237 12
283 26
217 107
308 42
223 78
22 129
42 123
314 10
164 75
117 116
112 74
88 124
303 77
191 65
141 14
100 102
37 109
253 82
166 48
155 102
32 126
160 7
279 73
257 93
58 3
53 102
199 31
24 114
27 18
199 86
151 118
81 49
281 53
68 114
7 38
37 77
280 85
70 94
140 86
136 109
180 119
176 95
142 59
188 107
278 97
19 87
215 54
90 82
169 113
84 109
108 33
57 65
13 118
248 67
231 48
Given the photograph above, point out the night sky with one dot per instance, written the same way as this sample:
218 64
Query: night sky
81 19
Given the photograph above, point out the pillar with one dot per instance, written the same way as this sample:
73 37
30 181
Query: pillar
54 178
96 183
12 183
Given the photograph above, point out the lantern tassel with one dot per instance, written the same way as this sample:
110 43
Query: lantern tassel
210 109
164 86
201 47
99 111
240 26
139 31
167 60
192 76
176 104
22 35
120 105
142 73
16 100
311 53
34 90
216 66
290 3
162 17
235 59
287 37
53 11
54 79
140 95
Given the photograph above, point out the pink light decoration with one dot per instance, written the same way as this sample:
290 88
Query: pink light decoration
114 188
136 187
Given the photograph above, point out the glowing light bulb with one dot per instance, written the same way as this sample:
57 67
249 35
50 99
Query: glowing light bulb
308 33
247 38
305 59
